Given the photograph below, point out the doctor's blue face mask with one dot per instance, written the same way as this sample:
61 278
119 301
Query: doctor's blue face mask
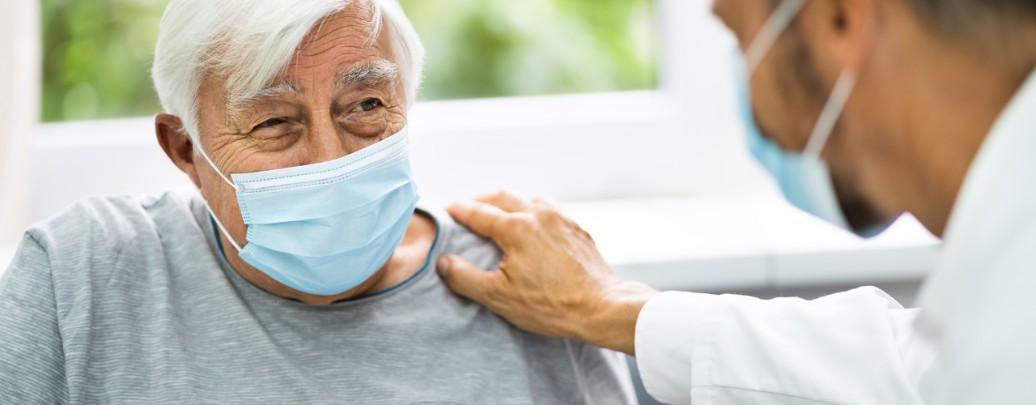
325 228
803 177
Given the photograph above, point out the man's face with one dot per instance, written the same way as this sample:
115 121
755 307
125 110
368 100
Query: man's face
791 85
339 94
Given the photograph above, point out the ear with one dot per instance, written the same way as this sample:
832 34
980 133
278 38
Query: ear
177 144
853 26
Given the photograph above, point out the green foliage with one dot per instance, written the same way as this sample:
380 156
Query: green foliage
489 48
97 53
96 58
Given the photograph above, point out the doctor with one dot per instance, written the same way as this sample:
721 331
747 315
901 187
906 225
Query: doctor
870 108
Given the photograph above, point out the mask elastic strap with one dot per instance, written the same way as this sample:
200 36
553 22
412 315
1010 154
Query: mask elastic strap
829 115
780 19
213 164
219 223
222 229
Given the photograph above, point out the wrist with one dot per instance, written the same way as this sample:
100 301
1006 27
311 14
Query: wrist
611 322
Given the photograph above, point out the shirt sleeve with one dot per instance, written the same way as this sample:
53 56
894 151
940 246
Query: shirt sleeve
855 347
602 375
32 367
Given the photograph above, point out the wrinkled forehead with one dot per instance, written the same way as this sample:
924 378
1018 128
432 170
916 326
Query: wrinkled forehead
353 33
350 47
254 57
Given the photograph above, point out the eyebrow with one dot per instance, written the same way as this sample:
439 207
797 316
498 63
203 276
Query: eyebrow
375 73
237 105
277 90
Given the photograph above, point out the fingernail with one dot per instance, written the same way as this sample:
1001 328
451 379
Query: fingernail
458 206
442 264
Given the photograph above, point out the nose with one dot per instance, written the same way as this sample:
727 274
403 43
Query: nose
326 141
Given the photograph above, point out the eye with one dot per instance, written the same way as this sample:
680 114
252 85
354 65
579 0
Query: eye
270 123
368 105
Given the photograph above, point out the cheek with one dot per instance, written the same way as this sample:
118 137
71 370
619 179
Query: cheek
397 120
223 201
402 97
783 113
861 152
864 128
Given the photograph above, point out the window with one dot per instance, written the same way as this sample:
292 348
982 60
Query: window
96 58
97 53
493 48
571 99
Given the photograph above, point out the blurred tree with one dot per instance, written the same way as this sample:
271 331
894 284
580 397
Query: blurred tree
96 58
97 53
490 48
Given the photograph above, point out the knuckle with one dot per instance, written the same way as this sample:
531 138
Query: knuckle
490 286
503 196
544 202
518 222
550 215
586 235
491 291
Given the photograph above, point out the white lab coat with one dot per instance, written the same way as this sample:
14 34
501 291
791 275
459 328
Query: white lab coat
973 341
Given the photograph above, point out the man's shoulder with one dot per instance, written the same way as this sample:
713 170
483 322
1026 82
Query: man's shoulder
459 240
100 241
103 236
102 220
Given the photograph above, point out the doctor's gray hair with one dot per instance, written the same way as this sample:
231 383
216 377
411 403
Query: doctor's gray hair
250 42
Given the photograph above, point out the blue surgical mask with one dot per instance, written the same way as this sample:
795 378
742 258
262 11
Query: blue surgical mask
325 228
803 177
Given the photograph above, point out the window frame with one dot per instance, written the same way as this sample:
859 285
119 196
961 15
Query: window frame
654 143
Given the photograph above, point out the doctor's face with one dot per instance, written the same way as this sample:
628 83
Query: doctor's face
792 84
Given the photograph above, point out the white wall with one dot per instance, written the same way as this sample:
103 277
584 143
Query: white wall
680 140
19 110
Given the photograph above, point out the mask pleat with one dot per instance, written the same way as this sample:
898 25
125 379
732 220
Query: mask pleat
343 232
324 199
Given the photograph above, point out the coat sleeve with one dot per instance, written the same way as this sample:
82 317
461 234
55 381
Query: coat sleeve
32 363
856 347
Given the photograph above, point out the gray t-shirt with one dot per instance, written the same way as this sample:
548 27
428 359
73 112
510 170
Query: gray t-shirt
127 300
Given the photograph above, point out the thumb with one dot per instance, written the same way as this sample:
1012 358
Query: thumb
464 277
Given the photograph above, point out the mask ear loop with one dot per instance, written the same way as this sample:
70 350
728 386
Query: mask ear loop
830 114
213 164
782 16
215 219
222 228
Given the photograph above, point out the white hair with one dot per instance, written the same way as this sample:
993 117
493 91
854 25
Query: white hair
250 42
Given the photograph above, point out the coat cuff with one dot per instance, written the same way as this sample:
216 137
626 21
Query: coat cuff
674 343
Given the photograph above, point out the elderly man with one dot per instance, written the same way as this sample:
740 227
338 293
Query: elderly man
301 272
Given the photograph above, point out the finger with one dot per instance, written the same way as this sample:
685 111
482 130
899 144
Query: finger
545 202
480 217
507 201
465 278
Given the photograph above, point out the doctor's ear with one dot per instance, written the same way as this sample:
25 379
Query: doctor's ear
848 29
177 144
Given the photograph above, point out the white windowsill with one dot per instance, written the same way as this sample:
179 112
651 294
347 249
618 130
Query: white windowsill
729 243
6 255
520 144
